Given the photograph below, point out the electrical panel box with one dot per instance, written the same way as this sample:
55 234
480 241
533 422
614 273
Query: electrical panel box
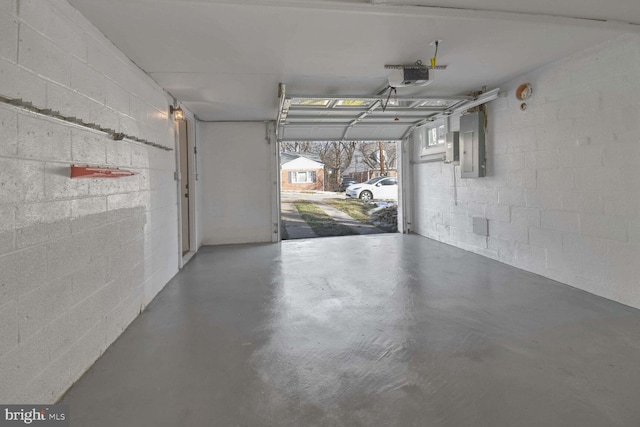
452 144
472 146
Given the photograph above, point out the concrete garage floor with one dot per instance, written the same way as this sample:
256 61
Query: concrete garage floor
381 330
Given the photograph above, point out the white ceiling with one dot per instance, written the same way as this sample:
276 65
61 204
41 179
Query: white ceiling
223 59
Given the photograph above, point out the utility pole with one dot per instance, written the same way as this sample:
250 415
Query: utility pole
381 158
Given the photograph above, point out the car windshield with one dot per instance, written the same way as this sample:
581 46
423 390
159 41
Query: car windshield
374 180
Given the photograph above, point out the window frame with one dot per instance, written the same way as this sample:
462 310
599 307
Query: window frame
312 177
423 138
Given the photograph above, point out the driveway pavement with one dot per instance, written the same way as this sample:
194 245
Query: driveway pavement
297 228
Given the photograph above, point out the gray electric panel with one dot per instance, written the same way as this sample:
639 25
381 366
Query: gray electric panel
472 149
452 143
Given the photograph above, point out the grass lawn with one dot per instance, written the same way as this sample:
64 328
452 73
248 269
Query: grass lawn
321 223
352 207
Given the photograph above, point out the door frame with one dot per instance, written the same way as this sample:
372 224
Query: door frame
405 187
191 178
274 175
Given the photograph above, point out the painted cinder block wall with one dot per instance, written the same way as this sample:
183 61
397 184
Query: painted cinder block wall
562 193
237 181
79 258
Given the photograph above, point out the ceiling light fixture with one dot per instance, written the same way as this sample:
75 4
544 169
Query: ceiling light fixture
178 114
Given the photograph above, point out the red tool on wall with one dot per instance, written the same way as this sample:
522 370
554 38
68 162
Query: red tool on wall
85 171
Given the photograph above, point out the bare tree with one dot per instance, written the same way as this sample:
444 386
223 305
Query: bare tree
371 154
323 150
336 156
346 153
296 147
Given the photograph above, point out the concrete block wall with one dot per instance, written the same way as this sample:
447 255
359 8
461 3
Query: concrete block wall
79 258
561 196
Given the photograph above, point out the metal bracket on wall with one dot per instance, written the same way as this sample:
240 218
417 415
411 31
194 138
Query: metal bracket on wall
430 160
116 136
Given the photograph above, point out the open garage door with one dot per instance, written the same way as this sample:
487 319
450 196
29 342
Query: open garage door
338 188
382 117
385 117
